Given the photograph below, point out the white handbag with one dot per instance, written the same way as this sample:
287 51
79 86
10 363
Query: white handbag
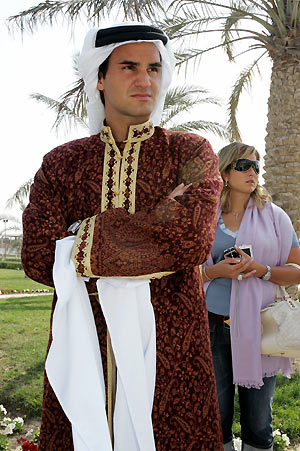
280 326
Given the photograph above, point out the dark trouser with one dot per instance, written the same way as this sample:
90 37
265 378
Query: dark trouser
255 404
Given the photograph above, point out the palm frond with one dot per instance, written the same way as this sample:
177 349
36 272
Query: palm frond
200 8
20 197
70 108
294 13
43 13
244 81
187 55
186 95
178 27
75 99
232 20
281 11
169 115
50 11
204 127
129 9
65 116
234 6
181 99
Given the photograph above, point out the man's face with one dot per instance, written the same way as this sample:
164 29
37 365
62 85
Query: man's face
132 82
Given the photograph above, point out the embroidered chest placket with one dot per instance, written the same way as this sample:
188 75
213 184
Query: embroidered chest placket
120 171
118 187
118 190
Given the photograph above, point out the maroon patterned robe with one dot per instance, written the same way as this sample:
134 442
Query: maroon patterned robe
162 235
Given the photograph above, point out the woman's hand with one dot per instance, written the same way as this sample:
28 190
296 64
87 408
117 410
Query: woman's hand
246 267
259 268
231 268
179 190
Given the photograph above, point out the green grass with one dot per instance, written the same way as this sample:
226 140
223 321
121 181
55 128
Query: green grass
11 279
286 408
24 329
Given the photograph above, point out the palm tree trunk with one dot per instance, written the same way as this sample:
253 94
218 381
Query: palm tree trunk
282 160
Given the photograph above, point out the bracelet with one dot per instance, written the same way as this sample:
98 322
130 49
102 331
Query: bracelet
204 272
267 276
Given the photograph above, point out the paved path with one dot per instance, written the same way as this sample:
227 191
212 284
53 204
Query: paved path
23 295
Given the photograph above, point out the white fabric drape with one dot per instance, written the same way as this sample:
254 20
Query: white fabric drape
129 316
74 367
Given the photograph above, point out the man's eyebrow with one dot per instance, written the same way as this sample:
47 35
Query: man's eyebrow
155 64
131 63
134 63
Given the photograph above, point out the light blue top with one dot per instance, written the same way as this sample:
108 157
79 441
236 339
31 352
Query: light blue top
219 290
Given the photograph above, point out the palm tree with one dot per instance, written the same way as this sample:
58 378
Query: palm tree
70 109
264 28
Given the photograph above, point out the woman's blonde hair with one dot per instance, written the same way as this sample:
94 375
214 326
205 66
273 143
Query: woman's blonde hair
228 155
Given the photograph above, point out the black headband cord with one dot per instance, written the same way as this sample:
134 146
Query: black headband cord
125 33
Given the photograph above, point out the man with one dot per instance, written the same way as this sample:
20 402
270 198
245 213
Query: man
147 198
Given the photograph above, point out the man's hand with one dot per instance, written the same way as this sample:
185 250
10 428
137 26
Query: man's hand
179 190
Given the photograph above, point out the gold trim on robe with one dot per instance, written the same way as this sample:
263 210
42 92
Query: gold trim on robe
81 251
118 191
120 171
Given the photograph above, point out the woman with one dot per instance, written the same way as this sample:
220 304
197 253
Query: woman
238 288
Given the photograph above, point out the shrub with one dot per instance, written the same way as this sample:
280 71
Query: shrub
4 443
11 265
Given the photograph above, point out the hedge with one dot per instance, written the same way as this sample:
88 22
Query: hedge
11 265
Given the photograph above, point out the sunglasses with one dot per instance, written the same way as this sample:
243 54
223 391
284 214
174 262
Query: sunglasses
243 165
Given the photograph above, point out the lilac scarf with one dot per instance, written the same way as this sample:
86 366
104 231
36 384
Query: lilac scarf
269 231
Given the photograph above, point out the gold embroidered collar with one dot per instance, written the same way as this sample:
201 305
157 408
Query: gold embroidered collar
118 190
136 133
120 170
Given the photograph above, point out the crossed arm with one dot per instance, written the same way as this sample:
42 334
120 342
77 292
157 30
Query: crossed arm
177 233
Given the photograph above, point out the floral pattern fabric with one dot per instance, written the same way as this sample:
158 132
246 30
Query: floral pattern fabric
162 235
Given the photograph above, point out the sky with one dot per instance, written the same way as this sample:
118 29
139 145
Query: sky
42 62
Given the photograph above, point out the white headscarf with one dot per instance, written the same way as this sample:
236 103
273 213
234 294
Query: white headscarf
92 57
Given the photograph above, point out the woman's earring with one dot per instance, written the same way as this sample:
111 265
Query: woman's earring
226 183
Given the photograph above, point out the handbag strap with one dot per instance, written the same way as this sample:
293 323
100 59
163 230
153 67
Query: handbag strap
281 293
293 264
